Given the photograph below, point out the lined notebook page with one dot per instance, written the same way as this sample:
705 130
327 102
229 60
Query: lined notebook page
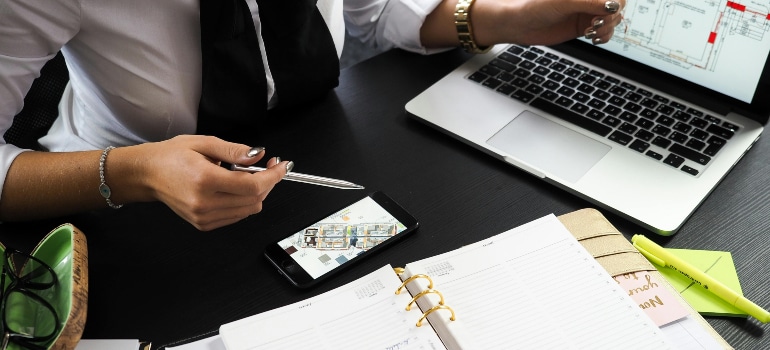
364 314
532 287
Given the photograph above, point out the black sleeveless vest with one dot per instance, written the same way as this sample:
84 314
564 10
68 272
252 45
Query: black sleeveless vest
300 53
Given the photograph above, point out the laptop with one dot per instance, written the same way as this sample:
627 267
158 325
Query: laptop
644 126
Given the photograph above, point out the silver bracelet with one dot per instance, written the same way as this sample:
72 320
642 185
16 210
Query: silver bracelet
103 188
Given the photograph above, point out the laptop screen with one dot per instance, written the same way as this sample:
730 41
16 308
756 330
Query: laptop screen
721 45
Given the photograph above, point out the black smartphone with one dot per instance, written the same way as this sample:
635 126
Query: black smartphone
317 251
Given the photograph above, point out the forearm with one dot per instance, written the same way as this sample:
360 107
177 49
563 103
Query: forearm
49 184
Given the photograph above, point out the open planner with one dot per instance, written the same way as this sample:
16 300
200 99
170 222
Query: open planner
535 286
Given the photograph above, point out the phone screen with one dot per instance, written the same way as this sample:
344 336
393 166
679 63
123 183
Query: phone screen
340 237
349 234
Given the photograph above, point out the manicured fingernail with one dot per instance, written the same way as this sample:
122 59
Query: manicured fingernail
254 151
590 33
277 160
597 41
598 23
289 166
611 6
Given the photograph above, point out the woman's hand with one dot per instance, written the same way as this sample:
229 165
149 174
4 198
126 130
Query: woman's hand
185 174
526 22
545 22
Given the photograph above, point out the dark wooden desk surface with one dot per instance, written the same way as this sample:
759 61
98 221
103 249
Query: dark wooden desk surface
154 277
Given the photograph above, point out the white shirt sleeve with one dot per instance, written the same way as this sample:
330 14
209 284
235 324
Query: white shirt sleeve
31 33
386 24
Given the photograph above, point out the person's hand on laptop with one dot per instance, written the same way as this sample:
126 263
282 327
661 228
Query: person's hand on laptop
526 22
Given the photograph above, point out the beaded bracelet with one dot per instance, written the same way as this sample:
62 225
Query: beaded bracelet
103 188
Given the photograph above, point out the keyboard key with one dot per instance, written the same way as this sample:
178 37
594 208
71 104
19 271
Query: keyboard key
678 137
639 146
627 116
502 65
612 110
643 92
478 77
628 128
667 121
682 127
644 123
654 154
549 95
712 149
674 160
699 134
730 126
565 91
677 105
581 97
720 131
571 82
556 76
580 108
611 121
698 122
522 95
632 96
661 130
519 82
644 135
695 144
690 154
620 138
660 99
596 115
572 117
632 107
492 83
506 89
618 101
572 72
691 171
601 94
661 142
551 85
534 89
510 58
682 116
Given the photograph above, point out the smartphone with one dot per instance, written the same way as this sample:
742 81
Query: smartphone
323 248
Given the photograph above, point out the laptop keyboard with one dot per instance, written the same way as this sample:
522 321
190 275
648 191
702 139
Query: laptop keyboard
672 132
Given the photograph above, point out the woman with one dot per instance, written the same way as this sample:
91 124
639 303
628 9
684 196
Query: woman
141 80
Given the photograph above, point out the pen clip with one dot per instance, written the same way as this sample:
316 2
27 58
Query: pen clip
652 258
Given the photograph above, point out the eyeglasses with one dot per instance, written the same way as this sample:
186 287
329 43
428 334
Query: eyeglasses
28 320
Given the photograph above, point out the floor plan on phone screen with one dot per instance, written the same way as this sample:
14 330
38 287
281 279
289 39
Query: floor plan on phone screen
335 240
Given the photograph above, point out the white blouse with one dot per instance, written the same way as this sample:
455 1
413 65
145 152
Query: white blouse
135 65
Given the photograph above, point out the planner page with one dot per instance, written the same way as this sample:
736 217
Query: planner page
364 314
532 287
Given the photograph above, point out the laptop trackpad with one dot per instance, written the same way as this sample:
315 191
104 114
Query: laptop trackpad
548 147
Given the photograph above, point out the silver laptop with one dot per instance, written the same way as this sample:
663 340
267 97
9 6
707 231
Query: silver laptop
645 126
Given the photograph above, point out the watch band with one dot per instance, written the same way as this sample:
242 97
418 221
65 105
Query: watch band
464 28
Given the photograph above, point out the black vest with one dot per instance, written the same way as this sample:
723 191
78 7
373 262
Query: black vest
300 53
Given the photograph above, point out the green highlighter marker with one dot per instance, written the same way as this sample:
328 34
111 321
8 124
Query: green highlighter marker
660 256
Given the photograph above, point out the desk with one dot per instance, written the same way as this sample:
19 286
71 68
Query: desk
154 277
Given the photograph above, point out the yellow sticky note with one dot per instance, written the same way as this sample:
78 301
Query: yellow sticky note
716 264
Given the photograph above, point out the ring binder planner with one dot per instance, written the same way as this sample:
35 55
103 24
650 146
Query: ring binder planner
540 268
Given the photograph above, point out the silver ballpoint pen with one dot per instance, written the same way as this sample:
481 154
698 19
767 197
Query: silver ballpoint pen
310 179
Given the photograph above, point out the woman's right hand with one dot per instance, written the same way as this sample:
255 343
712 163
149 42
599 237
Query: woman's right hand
185 173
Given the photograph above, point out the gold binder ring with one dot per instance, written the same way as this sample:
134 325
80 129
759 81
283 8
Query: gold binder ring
420 294
437 307
410 279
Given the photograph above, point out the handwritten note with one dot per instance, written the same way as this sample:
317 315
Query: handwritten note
653 297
